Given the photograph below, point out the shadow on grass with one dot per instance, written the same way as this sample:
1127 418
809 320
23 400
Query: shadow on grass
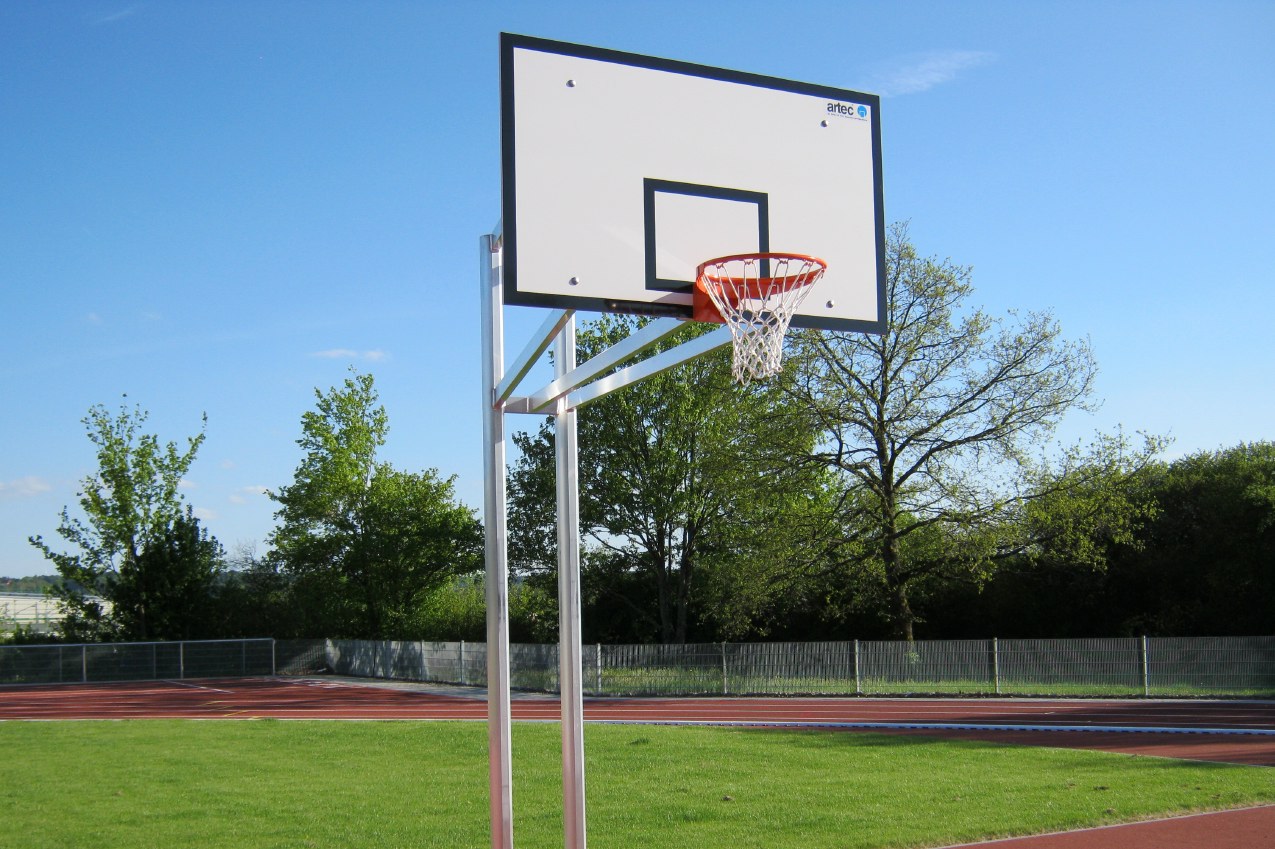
1181 749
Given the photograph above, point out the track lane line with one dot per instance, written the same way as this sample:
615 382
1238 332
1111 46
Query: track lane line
192 686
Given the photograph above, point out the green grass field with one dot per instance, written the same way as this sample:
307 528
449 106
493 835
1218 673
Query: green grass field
348 785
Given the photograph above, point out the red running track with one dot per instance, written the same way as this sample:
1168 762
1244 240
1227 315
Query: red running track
1233 731
320 698
1248 828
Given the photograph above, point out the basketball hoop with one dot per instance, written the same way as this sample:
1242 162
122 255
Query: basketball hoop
755 295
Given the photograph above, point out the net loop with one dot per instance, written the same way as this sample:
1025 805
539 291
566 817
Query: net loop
756 296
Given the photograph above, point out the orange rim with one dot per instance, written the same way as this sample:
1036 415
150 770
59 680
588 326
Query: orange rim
753 287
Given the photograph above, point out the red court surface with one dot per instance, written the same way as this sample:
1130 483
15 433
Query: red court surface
1220 731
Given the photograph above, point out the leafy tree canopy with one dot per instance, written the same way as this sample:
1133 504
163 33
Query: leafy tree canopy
682 480
135 534
933 426
365 542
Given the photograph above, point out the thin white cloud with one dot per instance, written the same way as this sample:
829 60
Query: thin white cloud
204 514
240 496
375 355
126 12
93 318
187 484
24 487
920 72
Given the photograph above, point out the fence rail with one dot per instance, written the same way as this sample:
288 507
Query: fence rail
1135 666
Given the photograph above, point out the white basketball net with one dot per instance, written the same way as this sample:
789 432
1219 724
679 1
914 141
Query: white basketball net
757 295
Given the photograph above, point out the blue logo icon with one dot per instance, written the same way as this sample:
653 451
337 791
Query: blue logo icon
863 111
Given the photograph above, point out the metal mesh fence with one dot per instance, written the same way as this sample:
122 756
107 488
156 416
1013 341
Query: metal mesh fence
32 665
441 662
1113 666
534 667
1179 666
649 670
788 668
95 662
301 657
926 666
1229 666
1240 666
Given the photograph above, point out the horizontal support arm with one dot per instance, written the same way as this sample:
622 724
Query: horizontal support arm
608 359
649 368
535 347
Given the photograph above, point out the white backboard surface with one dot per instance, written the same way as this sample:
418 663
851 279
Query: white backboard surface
623 172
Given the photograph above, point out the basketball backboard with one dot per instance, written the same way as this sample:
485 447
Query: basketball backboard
621 173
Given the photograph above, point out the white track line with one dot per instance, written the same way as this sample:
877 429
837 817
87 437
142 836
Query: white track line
196 686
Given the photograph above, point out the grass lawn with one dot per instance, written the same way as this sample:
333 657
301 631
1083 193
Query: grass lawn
348 785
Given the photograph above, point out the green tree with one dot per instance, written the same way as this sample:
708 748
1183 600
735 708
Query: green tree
132 506
933 427
254 598
1089 519
679 476
458 611
365 543
31 584
1089 503
1205 565
169 593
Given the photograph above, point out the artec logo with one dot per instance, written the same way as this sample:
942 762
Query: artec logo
848 110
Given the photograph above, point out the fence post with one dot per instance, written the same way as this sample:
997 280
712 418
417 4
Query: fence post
273 661
181 660
996 664
725 688
154 661
462 662
858 683
84 663
597 662
1146 668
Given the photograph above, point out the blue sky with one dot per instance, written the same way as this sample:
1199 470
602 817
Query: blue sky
220 206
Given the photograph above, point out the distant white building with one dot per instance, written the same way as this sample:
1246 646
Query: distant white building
30 610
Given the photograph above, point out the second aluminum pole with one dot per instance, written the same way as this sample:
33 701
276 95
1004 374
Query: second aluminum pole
569 646
499 714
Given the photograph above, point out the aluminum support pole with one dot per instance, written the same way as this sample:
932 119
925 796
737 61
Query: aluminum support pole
570 653
500 777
